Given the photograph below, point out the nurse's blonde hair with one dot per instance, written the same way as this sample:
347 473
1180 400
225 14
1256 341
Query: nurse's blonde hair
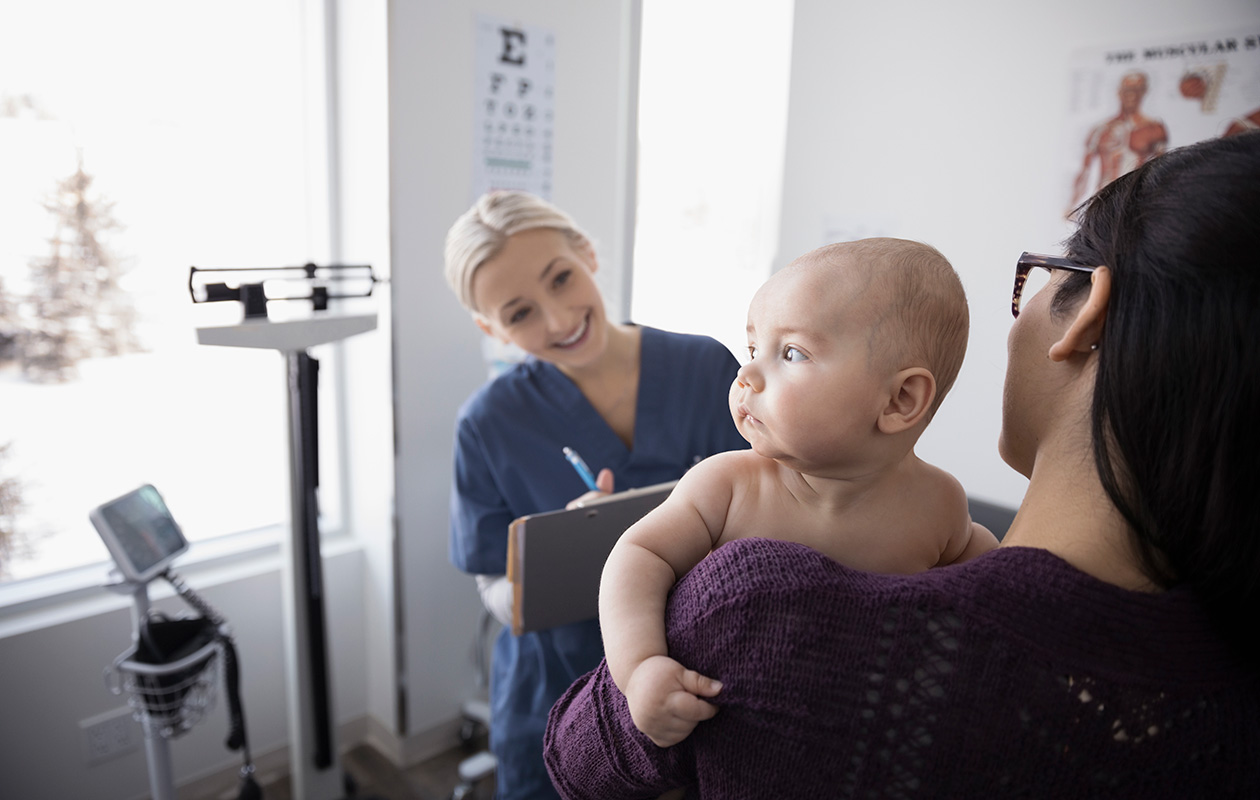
481 232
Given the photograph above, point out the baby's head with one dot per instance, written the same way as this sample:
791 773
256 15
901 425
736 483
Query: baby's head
916 306
848 335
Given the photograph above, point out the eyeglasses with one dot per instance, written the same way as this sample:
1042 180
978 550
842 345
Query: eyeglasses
1025 265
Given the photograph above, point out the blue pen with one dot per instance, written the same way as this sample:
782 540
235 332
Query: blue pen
582 470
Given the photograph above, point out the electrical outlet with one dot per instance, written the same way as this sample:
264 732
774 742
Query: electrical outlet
109 735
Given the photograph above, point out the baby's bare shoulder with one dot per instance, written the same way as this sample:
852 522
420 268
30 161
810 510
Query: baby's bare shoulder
758 499
940 485
719 485
735 467
936 498
949 518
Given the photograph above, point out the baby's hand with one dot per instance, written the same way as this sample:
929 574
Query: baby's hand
664 699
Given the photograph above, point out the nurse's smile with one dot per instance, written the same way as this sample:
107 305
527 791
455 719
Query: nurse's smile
578 336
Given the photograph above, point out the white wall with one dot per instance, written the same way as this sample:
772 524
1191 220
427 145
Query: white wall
363 180
437 360
942 122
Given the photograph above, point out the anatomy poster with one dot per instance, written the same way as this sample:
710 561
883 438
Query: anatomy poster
1132 102
514 115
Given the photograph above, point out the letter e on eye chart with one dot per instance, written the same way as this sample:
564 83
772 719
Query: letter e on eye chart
514 107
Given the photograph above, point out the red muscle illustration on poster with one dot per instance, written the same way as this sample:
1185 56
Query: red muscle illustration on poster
1129 103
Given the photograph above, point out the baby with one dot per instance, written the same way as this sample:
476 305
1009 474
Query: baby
851 349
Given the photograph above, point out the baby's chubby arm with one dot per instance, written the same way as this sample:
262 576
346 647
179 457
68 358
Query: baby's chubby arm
648 559
967 539
974 540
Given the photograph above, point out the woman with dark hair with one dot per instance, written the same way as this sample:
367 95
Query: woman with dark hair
1177 392
1108 648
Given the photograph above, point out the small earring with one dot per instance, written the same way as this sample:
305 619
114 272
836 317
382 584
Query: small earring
1094 346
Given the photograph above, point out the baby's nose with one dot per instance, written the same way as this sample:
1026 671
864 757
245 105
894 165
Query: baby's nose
748 378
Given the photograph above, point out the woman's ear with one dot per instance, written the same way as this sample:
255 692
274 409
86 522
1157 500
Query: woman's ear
913 391
1086 330
484 325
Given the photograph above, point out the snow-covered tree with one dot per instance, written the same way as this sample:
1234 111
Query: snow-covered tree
76 307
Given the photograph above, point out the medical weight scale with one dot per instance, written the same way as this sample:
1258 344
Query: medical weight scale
312 725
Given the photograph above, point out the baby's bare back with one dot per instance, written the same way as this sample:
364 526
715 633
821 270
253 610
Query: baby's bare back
904 521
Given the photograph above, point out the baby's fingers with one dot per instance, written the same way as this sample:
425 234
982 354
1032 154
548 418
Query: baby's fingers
690 709
685 712
699 685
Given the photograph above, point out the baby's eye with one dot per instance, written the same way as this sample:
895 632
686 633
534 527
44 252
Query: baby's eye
791 354
752 352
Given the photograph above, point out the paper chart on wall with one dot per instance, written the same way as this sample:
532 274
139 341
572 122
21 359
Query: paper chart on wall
514 115
1132 101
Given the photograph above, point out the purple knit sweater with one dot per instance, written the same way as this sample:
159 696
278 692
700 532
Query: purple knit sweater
1013 675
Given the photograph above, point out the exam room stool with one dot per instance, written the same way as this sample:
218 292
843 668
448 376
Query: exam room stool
476 717
479 765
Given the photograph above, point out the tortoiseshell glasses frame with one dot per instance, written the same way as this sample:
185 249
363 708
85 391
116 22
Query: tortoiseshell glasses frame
1027 261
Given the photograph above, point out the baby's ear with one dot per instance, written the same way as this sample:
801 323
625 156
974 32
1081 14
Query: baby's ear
911 395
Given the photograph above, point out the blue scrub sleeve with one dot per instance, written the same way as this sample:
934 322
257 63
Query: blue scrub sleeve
479 515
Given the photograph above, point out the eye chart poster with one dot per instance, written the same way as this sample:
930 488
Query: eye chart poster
514 113
1131 102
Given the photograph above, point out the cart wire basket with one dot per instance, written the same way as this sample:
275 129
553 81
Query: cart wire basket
170 674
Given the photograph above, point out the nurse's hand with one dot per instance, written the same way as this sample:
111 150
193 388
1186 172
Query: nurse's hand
604 480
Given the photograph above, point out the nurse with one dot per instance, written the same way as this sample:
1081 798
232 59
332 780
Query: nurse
640 405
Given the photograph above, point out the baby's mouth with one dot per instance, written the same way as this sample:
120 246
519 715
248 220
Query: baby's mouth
744 413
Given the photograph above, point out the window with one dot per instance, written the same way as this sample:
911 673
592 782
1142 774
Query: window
712 123
139 138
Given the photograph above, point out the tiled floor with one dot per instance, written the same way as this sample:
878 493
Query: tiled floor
375 778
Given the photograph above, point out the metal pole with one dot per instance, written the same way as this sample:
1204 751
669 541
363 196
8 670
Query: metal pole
311 737
156 747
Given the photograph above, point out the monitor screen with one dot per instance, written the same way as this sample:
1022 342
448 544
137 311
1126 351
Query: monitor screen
140 533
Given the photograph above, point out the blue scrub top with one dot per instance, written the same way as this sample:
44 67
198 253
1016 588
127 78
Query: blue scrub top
509 463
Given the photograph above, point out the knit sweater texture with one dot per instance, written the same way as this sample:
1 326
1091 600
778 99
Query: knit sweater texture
1012 675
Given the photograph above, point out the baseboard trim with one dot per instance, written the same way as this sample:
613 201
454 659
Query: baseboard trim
271 765
423 745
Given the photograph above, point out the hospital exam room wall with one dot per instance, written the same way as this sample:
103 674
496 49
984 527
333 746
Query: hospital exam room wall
944 122
437 349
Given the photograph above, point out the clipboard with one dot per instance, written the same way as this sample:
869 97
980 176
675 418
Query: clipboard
555 558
